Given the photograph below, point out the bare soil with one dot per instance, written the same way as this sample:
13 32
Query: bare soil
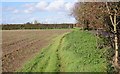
19 46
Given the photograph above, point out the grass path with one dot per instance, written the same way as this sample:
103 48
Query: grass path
71 52
47 60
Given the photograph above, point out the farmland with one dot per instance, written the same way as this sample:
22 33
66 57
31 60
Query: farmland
18 46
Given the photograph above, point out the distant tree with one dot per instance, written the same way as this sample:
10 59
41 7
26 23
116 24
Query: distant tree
28 23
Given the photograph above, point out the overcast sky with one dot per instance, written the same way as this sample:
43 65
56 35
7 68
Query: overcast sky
44 11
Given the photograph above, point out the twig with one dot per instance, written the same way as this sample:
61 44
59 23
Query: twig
118 22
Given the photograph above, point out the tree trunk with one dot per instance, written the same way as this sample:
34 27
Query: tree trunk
114 23
116 50
116 41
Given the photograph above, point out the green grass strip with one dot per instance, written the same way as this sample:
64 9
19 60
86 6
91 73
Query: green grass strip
72 52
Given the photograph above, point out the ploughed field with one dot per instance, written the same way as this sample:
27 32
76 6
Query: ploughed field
18 46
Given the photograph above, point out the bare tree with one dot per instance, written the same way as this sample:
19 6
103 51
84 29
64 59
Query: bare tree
113 12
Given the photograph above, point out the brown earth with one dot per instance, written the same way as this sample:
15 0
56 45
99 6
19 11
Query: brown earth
19 46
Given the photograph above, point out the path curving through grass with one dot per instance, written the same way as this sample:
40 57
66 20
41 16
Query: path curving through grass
71 52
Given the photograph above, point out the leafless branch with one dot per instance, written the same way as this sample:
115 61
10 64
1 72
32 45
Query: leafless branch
109 13
118 22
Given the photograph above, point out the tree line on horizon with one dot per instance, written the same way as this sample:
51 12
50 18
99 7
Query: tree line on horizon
35 26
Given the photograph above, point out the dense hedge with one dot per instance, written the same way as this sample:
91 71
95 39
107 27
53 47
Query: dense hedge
35 26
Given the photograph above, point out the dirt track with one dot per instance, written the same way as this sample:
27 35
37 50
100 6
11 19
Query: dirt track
18 46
